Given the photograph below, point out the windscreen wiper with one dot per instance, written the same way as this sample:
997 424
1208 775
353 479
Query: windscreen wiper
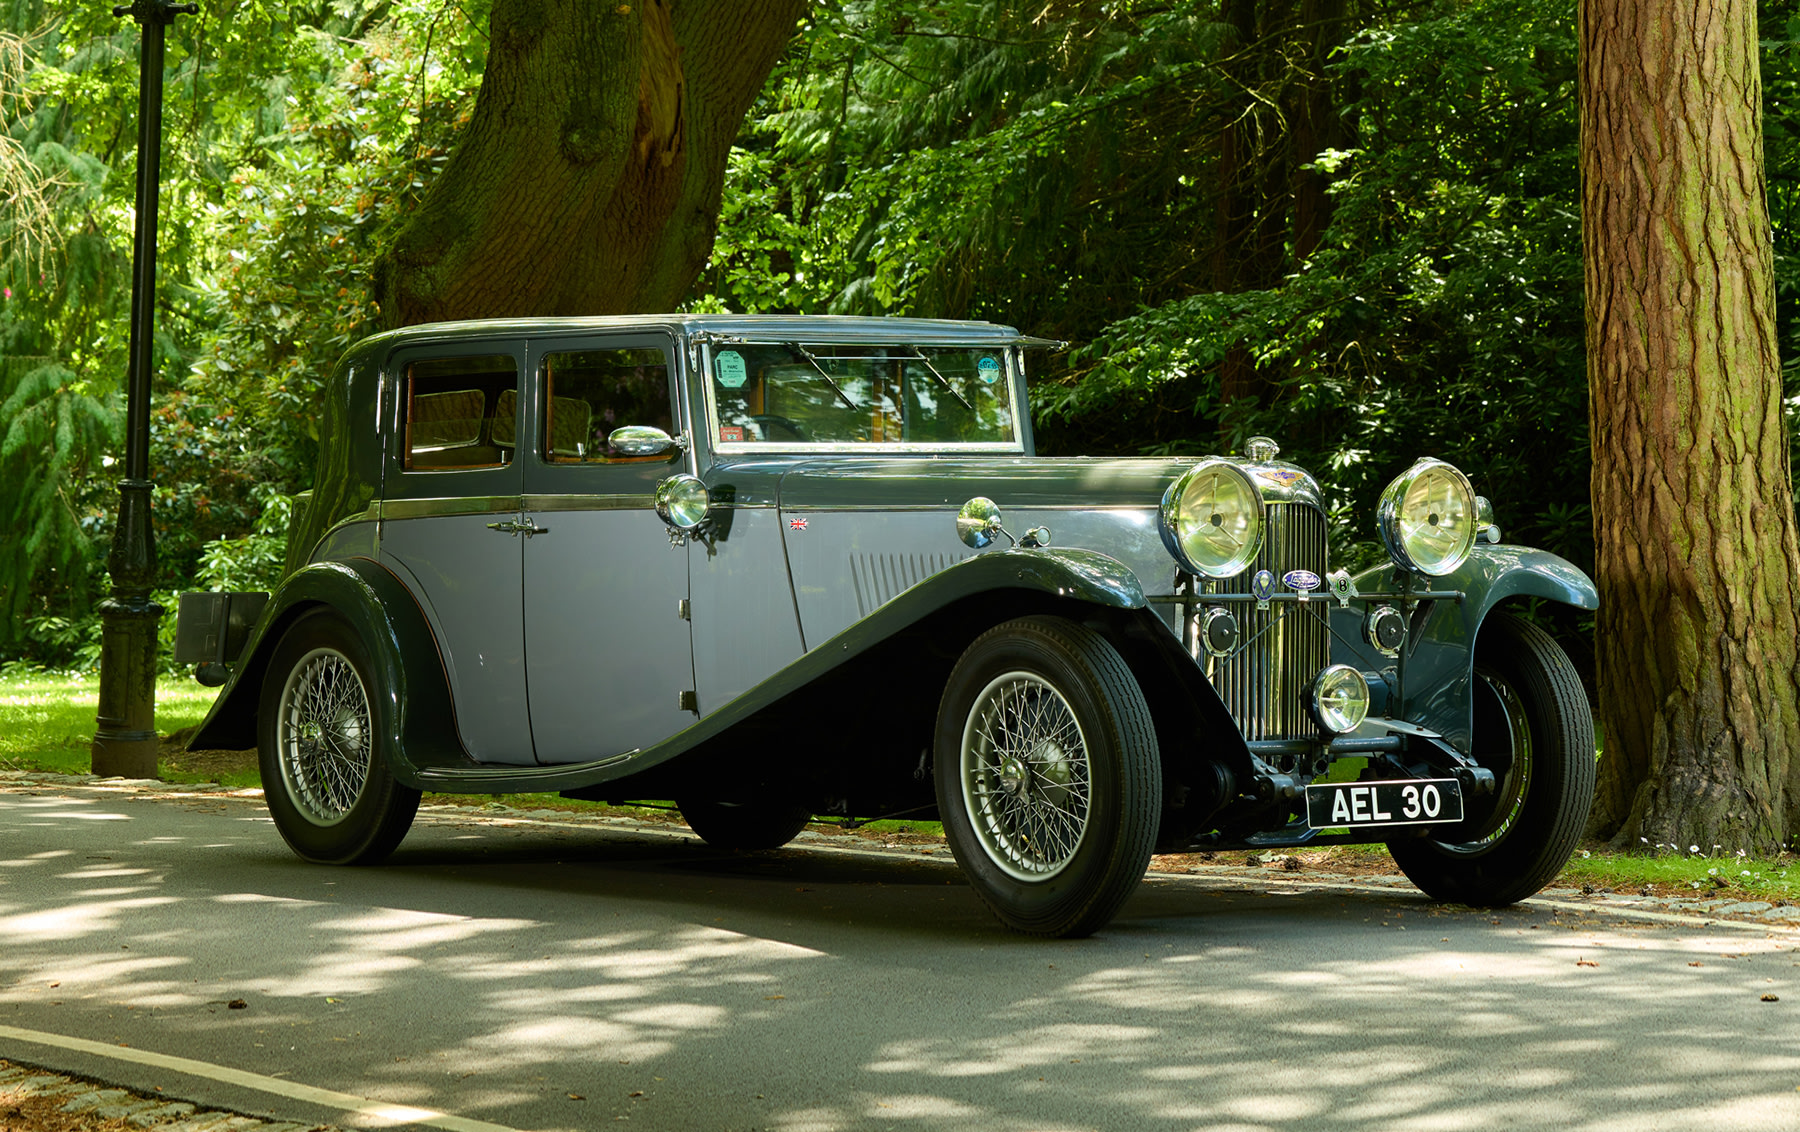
942 380
803 352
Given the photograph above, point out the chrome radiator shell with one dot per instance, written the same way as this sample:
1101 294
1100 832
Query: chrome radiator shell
1263 683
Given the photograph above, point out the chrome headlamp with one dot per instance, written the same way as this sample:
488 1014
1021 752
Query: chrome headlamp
1427 518
1339 699
1212 519
683 502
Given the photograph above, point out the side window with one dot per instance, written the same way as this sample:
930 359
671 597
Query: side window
593 392
461 412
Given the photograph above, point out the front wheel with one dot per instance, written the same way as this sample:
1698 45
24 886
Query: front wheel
319 749
1534 730
1048 777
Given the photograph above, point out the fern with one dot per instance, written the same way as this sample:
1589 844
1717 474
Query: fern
53 434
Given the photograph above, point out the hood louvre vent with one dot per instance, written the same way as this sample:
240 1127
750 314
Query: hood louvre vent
879 578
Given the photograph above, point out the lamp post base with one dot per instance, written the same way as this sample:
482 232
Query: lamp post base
125 735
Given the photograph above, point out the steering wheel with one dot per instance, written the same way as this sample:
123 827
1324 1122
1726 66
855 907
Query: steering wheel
766 421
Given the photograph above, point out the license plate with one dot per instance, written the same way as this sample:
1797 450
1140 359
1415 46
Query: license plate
1412 801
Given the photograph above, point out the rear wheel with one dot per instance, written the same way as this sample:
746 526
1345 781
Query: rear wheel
744 825
1534 730
324 777
1048 777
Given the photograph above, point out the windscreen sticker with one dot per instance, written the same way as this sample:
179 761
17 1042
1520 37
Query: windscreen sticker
989 369
731 434
729 367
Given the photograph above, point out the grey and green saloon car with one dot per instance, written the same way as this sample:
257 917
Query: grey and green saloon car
780 567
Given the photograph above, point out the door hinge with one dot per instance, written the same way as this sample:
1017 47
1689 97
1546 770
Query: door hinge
688 701
682 610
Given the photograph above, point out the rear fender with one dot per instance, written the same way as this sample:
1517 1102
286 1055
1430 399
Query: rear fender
412 705
1435 671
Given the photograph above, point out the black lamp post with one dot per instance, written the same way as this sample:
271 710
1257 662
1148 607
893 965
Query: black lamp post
125 728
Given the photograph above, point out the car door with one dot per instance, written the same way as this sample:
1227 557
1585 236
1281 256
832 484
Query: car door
449 530
609 654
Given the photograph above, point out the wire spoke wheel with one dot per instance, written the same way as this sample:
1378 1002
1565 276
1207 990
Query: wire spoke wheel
1049 781
1026 778
325 767
324 736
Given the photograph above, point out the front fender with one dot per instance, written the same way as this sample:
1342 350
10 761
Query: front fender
1081 575
411 700
1436 668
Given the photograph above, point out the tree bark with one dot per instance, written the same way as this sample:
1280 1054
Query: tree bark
1693 506
588 180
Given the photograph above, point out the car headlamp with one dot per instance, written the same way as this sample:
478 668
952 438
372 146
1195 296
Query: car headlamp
1339 699
1212 519
1427 518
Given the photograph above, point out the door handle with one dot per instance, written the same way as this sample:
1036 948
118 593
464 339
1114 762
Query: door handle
514 527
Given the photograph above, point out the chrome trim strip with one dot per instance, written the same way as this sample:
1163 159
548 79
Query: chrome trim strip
951 508
621 502
793 448
1321 596
503 774
446 505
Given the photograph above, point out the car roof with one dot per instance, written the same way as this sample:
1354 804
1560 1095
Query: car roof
752 327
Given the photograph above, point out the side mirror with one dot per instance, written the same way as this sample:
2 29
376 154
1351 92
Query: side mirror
641 440
978 522
682 501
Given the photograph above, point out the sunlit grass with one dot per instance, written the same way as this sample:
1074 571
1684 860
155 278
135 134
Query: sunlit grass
1667 872
47 719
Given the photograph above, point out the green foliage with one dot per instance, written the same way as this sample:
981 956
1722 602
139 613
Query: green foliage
54 432
253 562
292 134
1442 314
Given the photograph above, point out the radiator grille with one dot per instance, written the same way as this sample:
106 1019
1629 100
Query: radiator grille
1285 646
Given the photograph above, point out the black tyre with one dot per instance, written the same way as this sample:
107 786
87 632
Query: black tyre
324 777
1533 729
1048 778
744 825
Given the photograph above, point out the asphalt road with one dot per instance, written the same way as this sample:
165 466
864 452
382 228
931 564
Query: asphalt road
544 975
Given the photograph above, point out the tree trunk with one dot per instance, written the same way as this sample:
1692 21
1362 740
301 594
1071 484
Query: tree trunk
588 180
1316 125
1250 216
1693 505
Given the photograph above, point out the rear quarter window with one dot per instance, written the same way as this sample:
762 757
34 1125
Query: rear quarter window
461 412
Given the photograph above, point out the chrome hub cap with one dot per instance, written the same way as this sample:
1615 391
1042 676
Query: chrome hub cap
1026 779
323 736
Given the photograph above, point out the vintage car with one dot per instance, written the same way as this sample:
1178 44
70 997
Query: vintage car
773 568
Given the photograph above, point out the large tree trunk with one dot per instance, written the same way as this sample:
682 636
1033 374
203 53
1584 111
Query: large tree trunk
1693 508
588 180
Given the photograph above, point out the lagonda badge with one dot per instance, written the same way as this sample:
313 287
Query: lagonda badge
1286 477
1300 581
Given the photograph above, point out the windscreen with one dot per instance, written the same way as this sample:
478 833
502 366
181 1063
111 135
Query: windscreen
794 394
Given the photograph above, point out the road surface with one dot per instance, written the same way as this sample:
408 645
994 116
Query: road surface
540 974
